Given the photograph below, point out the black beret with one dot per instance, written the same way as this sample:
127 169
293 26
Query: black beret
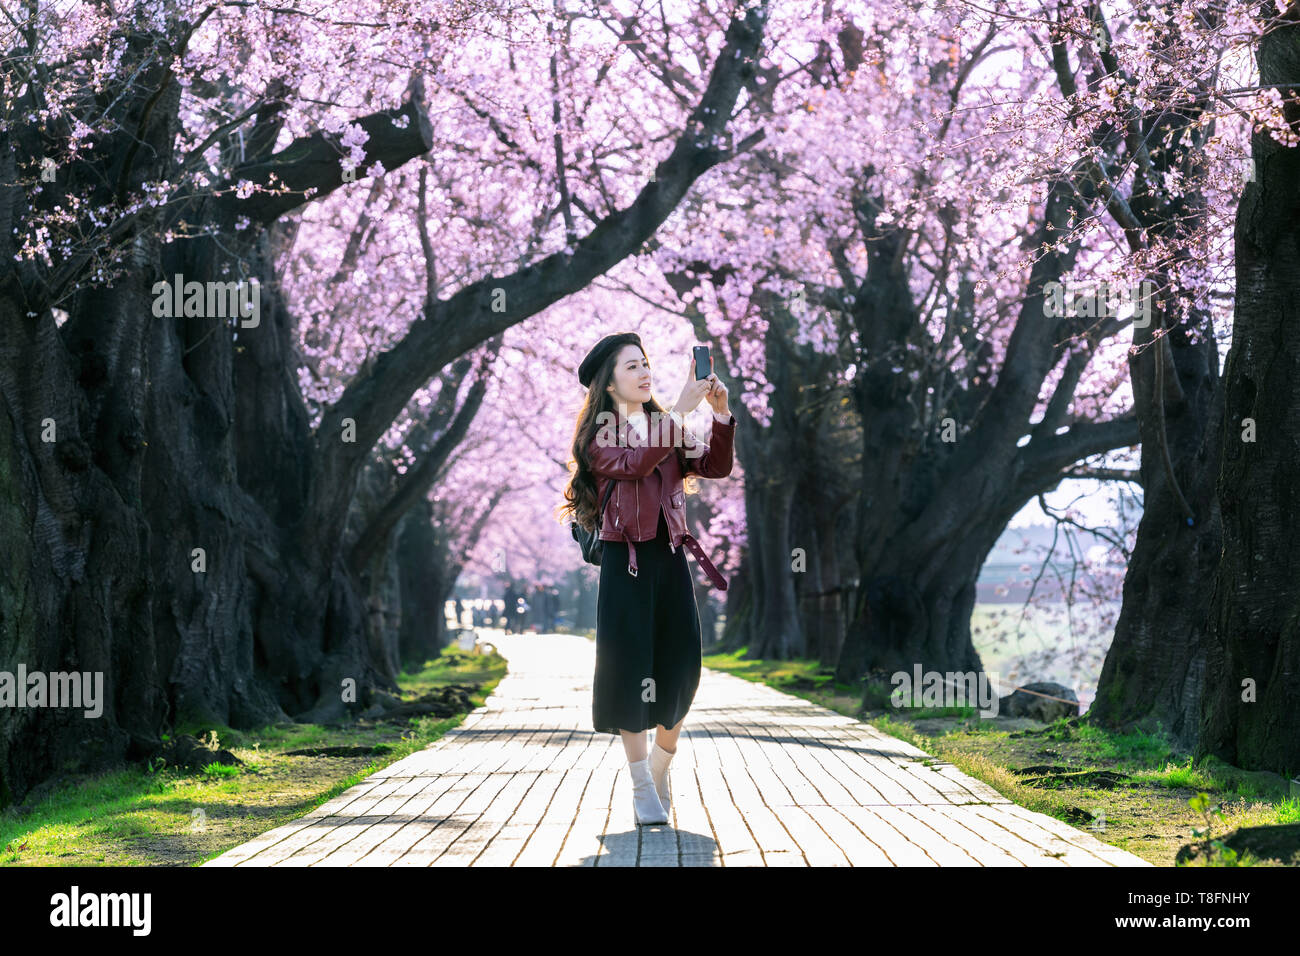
601 351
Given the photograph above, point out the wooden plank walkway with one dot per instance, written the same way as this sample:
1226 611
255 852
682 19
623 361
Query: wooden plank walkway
761 778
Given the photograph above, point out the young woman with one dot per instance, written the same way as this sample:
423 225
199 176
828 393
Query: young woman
648 641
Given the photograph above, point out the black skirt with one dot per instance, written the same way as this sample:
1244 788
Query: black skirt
648 637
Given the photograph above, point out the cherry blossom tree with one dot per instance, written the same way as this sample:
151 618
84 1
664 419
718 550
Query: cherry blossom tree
1250 714
854 259
190 475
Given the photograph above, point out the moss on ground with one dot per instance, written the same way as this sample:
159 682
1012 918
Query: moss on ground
1133 791
135 816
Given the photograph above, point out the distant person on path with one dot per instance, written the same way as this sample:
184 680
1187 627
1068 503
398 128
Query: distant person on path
530 597
510 596
539 607
648 640
552 609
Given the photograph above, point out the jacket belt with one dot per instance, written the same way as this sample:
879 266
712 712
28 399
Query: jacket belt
710 571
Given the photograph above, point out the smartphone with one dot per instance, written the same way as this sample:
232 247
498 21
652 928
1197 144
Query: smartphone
703 362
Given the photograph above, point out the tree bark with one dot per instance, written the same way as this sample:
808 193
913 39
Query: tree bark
1251 715
175 435
1154 672
736 633
932 509
421 563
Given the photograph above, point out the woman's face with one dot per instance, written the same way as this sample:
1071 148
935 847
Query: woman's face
631 376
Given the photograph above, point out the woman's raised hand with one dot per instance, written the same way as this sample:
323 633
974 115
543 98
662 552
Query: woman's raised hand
693 392
717 394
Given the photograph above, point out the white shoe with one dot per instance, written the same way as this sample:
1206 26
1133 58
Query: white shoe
659 760
645 802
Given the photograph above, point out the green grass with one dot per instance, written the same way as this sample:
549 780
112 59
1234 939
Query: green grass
1150 814
1183 775
138 816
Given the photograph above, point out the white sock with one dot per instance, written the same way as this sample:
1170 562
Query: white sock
645 801
659 761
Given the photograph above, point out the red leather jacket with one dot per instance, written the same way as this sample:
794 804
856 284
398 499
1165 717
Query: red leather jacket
650 478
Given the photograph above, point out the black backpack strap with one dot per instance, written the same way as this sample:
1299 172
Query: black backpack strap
604 501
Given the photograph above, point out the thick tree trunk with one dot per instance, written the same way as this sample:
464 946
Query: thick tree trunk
156 566
931 507
1252 706
769 493
583 596
73 408
736 633
776 606
189 531
1154 672
823 516
77 551
423 587
823 609
910 622
384 610
708 607
275 624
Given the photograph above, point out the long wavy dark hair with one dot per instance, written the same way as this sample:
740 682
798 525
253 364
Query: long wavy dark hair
580 494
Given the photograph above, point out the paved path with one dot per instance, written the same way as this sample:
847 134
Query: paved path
760 779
